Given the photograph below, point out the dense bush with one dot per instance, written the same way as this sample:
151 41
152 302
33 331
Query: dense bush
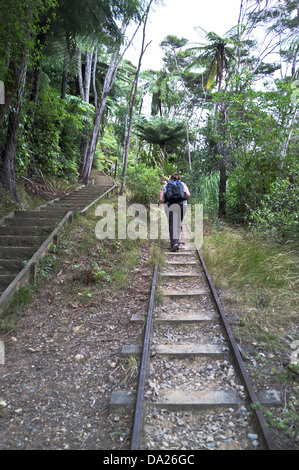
107 152
278 214
53 144
44 140
144 183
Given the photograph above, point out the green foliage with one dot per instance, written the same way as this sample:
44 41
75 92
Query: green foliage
107 151
209 193
55 136
278 214
144 183
203 181
263 274
215 53
161 131
22 28
44 139
256 131
205 190
151 157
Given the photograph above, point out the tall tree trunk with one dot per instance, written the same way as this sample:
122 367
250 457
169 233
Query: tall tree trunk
296 49
125 133
100 107
222 150
84 87
80 76
69 52
222 186
95 62
88 66
186 108
132 101
160 103
87 164
8 154
65 77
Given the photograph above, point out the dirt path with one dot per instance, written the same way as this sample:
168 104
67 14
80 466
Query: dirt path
62 359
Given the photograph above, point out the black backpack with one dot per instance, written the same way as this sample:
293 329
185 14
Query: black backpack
175 192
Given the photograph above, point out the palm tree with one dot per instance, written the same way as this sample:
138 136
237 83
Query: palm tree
163 90
80 22
162 132
216 55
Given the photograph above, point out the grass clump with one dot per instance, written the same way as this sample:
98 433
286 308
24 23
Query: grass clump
11 313
263 277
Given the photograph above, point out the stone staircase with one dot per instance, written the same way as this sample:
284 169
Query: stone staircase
23 232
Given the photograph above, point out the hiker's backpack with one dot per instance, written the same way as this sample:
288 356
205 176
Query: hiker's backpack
174 192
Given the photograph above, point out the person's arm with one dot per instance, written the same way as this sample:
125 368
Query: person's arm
161 197
186 191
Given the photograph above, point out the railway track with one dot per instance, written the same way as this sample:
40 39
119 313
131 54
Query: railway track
193 392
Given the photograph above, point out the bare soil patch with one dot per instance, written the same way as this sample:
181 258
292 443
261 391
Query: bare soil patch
63 356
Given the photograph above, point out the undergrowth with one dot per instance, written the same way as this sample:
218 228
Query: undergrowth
262 275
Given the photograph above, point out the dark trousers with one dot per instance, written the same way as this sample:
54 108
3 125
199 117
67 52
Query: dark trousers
175 214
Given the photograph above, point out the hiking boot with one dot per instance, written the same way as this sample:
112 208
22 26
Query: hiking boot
175 247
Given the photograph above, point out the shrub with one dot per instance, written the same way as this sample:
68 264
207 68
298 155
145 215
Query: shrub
278 214
144 183
204 189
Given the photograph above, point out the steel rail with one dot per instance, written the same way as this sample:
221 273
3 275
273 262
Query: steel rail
269 443
136 430
138 415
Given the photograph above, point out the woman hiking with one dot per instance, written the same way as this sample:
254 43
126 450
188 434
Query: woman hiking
175 195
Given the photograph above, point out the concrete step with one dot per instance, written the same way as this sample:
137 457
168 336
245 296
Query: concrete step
70 202
92 190
184 350
6 279
13 252
47 213
32 221
186 293
78 198
182 263
18 240
180 350
185 399
71 207
181 253
32 230
185 318
9 266
180 275
196 399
